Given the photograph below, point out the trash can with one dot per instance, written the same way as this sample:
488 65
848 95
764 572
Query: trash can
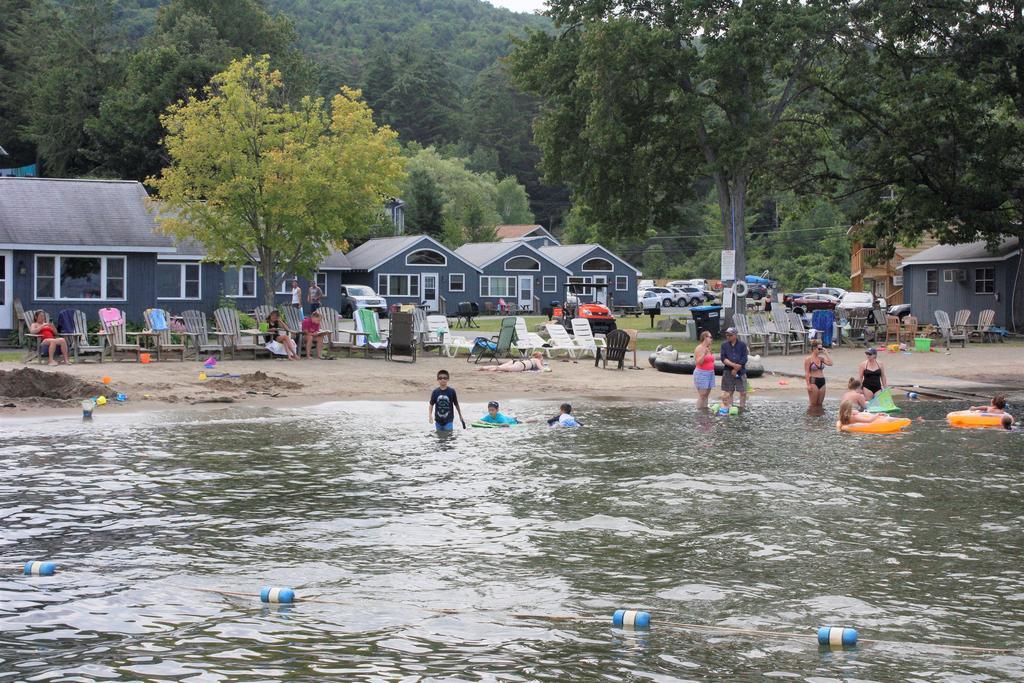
708 318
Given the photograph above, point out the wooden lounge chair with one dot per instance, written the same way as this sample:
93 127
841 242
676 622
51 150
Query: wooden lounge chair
985 319
909 328
19 317
329 319
892 328
559 340
583 337
260 313
32 340
745 334
946 330
401 337
293 321
79 339
162 339
633 336
419 325
500 346
858 319
617 343
117 339
797 331
768 332
229 327
198 335
961 321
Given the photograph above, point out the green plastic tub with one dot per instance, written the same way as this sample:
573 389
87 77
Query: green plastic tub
922 344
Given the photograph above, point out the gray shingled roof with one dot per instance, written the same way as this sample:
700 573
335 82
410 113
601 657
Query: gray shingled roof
567 253
336 261
963 253
87 214
482 253
372 253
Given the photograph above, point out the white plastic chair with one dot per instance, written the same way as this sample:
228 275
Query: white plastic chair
584 337
439 334
560 340
527 341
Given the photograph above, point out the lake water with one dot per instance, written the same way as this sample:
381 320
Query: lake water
770 520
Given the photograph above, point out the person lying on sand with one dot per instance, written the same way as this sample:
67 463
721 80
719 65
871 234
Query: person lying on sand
533 363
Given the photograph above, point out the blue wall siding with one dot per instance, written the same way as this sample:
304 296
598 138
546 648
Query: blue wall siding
953 296
140 286
547 269
616 297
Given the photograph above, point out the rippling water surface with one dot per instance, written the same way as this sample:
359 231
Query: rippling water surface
770 521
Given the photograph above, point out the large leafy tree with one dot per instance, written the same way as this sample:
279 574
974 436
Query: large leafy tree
641 99
259 181
424 205
928 110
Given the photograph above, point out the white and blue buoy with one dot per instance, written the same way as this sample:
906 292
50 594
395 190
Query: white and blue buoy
837 635
912 395
37 568
631 619
276 594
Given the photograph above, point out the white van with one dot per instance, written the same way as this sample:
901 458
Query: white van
645 284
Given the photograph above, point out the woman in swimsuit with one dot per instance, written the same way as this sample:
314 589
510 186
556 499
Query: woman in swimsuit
534 362
814 372
871 375
277 332
704 371
855 394
49 342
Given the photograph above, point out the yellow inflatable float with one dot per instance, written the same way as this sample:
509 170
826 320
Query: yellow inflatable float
890 426
974 419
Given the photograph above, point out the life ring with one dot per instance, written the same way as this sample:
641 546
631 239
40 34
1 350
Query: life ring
973 419
740 288
877 427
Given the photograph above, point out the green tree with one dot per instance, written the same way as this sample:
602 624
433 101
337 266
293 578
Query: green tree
655 262
424 205
641 99
513 203
259 181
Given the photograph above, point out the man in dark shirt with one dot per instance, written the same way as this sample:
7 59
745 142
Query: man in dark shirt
734 376
443 404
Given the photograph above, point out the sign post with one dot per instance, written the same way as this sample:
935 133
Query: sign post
728 265
728 280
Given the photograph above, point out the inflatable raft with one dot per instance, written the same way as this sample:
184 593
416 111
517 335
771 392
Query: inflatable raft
890 426
974 419
683 364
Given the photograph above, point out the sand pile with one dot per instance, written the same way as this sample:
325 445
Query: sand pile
29 383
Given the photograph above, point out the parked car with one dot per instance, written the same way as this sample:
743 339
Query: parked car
694 295
667 296
837 292
814 302
854 300
361 296
649 301
899 310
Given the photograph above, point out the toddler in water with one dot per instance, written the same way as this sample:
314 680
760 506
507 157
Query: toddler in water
564 417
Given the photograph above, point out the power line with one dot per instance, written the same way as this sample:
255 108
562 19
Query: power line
759 232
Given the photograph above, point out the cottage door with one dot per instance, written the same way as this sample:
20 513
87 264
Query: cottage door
601 293
429 289
525 292
7 291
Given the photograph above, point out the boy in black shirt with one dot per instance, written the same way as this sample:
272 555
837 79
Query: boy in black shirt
443 404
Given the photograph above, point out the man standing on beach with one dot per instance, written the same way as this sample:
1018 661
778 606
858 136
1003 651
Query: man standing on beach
734 376
313 295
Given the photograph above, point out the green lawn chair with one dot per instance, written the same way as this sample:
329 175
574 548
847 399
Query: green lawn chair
497 347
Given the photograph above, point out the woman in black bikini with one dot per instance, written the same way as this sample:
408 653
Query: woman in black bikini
872 375
814 372
534 362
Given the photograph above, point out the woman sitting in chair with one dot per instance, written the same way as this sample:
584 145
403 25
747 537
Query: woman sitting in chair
279 340
534 363
49 342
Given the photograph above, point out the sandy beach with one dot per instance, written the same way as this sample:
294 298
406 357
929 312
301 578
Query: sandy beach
983 369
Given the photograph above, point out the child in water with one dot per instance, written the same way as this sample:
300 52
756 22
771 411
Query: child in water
564 417
495 418
854 394
443 404
996 407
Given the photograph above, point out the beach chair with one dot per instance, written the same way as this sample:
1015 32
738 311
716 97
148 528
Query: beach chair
768 333
617 343
117 340
858 320
158 323
948 333
260 313
909 328
19 317
961 321
876 323
367 335
633 336
402 337
419 325
198 335
293 321
32 341
779 324
448 343
892 328
983 330
527 341
797 331
231 330
111 315
497 347
489 308
743 331
559 340
583 336
329 320
466 314
79 339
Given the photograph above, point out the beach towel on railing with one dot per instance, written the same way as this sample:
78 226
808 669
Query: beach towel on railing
823 322
157 320
882 403
366 329
66 321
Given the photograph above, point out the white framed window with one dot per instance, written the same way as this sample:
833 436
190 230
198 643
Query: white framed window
456 282
498 286
321 281
984 280
550 284
80 278
398 285
286 285
240 282
426 257
931 278
522 263
600 265
621 283
179 280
